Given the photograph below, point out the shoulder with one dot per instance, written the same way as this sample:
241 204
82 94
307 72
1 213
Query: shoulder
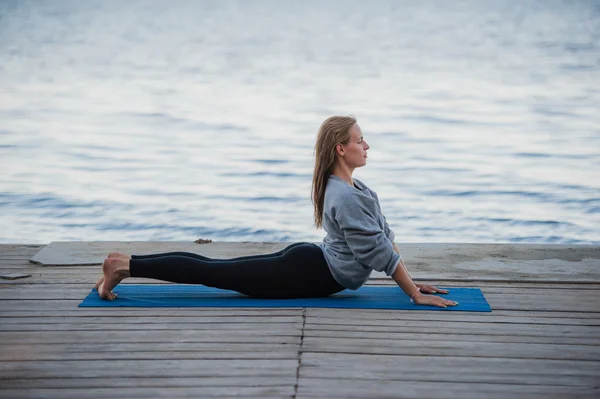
339 193
367 188
348 200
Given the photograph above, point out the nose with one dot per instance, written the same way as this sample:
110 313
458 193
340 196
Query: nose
366 146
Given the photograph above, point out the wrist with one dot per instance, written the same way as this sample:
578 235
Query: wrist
416 294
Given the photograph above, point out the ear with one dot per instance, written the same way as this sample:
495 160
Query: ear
339 149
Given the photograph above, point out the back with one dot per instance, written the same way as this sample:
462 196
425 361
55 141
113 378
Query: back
358 238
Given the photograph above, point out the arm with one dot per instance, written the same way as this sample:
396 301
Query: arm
402 278
404 281
401 264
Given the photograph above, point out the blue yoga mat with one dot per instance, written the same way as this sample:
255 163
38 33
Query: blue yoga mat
367 297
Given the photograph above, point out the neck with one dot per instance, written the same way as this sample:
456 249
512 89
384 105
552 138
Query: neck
344 172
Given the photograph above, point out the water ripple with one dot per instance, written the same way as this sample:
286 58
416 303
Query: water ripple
143 120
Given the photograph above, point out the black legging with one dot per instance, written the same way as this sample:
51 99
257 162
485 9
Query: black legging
297 271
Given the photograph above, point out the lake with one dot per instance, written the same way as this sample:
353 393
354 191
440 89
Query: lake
150 120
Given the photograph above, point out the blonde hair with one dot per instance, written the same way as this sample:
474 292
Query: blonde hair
335 130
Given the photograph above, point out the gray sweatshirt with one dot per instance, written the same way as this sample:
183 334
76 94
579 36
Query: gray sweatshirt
358 239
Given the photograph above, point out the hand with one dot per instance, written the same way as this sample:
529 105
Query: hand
430 289
421 299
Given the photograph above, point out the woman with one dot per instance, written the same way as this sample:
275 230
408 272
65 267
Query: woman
358 240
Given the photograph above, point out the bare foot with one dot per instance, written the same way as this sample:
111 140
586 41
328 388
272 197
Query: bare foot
114 270
118 255
112 255
99 283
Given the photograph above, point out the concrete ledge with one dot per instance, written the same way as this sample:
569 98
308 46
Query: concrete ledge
81 253
464 262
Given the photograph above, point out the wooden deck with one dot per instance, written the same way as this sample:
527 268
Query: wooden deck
542 340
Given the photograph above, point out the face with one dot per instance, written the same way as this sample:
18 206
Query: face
355 152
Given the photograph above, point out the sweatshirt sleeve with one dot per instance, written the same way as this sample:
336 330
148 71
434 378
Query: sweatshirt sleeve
388 232
367 241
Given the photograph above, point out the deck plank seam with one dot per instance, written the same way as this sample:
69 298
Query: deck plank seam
300 348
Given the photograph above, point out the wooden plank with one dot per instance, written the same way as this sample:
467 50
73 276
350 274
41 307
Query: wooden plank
586 335
9 245
154 392
148 368
346 388
35 292
151 336
200 327
18 252
242 327
148 320
541 338
190 367
356 318
466 375
387 314
577 335
366 362
248 353
501 316
158 382
466 348
468 370
15 260
131 314
53 305
87 271
143 351
400 326
448 336
6 267
544 303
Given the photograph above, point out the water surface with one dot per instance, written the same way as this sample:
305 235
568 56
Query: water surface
178 120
